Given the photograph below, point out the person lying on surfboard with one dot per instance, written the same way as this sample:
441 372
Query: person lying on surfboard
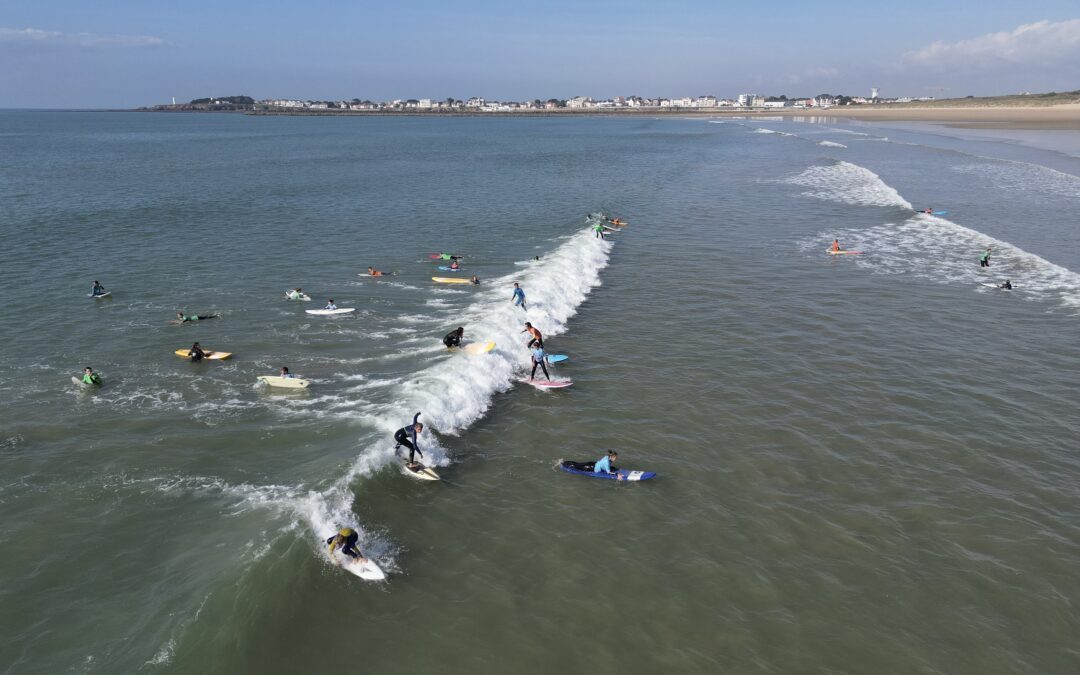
97 289
453 338
346 538
372 272
196 353
519 296
538 360
407 436
188 318
602 465
295 294
90 377
536 338
330 304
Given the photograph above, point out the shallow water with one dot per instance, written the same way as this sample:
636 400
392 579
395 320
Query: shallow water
866 463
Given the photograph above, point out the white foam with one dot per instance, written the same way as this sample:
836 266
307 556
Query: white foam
1010 176
831 144
848 183
761 130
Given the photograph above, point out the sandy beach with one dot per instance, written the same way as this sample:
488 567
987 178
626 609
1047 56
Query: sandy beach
1016 117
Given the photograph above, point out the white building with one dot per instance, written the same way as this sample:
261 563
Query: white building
580 102
705 102
874 93
776 104
747 100
424 103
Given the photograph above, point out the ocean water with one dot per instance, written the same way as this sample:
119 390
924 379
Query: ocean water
866 464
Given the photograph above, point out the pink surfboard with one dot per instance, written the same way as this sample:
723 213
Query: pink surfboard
547 384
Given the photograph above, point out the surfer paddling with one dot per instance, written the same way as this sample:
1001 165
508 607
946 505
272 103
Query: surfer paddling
407 436
602 465
189 318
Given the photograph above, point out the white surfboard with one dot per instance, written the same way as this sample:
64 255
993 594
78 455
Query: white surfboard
366 569
331 312
99 295
421 472
284 382
995 286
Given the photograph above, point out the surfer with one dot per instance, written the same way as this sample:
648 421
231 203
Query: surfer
346 539
454 265
603 465
835 245
614 221
519 296
984 259
294 294
285 372
372 272
1007 285
186 318
538 359
536 337
407 436
475 280
599 228
453 338
196 353
330 304
89 376
98 289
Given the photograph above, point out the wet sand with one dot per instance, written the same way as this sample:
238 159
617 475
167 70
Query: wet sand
1049 117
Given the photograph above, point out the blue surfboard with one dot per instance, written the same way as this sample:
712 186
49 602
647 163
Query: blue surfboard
939 213
620 475
557 358
449 269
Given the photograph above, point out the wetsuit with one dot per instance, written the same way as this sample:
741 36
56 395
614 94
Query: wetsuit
407 436
580 466
519 297
91 378
330 305
98 289
196 317
452 339
538 360
984 259
346 539
196 354
1007 285
599 231
603 465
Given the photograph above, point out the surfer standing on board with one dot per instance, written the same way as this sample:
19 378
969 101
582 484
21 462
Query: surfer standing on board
538 360
519 296
984 259
346 539
407 436
537 338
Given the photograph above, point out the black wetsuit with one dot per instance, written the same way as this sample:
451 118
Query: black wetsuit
539 362
452 339
407 436
348 547
196 317
196 354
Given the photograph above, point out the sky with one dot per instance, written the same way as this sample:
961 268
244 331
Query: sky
127 53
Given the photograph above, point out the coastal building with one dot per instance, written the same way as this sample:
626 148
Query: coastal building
874 93
705 102
580 102
424 103
747 100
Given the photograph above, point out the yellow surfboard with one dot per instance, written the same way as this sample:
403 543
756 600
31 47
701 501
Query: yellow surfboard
209 354
450 280
478 347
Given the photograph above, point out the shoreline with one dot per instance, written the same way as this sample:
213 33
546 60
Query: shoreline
1056 117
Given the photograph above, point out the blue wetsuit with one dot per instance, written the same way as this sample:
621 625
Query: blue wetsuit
519 297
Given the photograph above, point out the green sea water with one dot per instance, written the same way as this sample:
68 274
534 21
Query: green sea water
866 464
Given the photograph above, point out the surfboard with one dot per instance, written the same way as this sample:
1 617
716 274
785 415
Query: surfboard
99 295
832 252
217 356
366 570
284 382
445 256
450 280
995 286
78 381
331 312
620 475
304 297
421 472
557 358
939 213
547 384
449 269
474 348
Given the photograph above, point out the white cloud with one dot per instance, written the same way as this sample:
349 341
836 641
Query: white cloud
47 38
1043 43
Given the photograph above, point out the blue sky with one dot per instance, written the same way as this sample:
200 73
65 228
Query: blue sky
120 53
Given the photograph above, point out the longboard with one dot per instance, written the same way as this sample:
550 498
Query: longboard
284 382
832 252
620 475
445 256
367 569
547 384
450 280
217 356
474 348
331 312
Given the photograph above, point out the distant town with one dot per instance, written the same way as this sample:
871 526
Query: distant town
481 105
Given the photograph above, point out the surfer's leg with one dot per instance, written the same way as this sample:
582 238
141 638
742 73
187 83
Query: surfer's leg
544 366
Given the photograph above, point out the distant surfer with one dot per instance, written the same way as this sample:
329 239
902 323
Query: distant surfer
346 539
835 246
453 338
928 211
196 353
519 296
407 436
295 294
984 259
615 221
188 318
90 377
372 272
538 359
535 336
1007 285
330 304
454 265
97 289
475 280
